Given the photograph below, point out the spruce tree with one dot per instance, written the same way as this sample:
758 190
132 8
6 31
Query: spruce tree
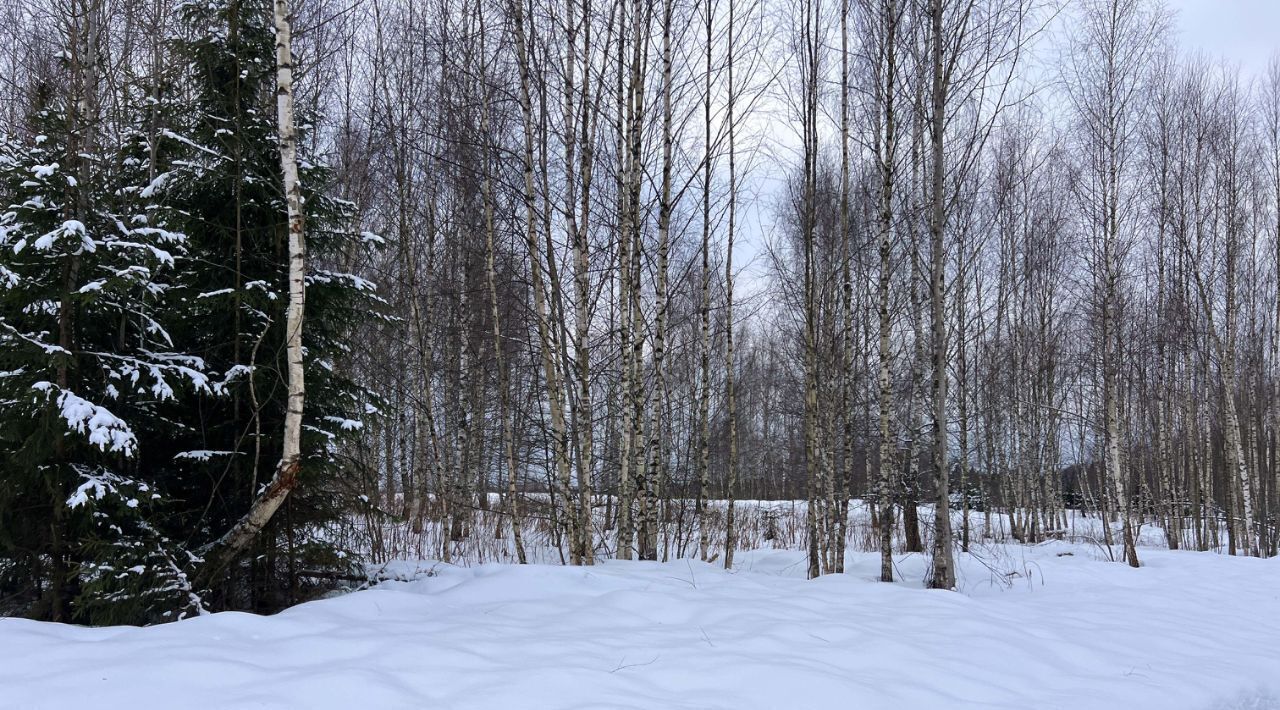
85 361
223 189
142 282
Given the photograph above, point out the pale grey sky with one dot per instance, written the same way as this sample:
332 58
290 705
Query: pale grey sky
1246 32
1243 31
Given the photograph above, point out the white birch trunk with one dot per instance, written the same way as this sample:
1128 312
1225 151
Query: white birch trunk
238 539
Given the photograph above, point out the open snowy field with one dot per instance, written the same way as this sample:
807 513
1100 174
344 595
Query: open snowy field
1049 626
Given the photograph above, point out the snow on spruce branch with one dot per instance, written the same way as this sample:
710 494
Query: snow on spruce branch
103 429
69 230
157 366
322 276
100 483
47 348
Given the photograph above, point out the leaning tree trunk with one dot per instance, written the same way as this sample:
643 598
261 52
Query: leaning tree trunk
240 536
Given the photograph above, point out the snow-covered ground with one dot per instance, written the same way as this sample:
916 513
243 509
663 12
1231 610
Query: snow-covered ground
1046 626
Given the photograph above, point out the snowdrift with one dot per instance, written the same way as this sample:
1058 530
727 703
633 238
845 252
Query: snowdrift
1049 626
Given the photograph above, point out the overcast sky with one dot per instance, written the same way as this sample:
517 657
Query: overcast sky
1246 32
1243 31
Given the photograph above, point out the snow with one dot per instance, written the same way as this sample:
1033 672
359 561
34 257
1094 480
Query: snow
324 276
98 485
71 230
94 487
103 429
202 455
160 255
212 294
1046 626
155 186
263 286
346 424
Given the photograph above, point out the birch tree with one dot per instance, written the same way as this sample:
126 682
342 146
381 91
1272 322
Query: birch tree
1104 74
286 477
